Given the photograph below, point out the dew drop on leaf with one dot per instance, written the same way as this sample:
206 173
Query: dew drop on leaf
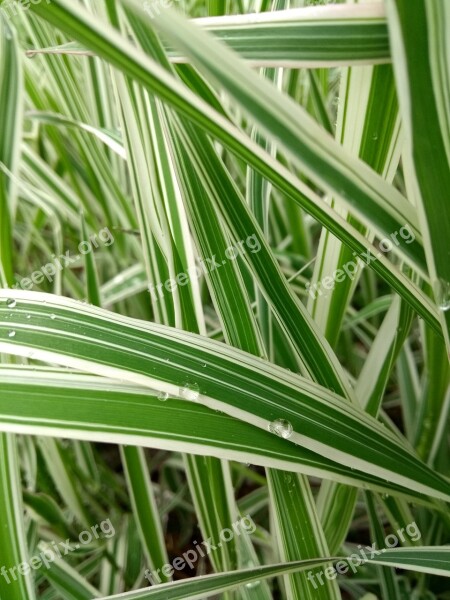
281 427
11 333
190 391
163 396
442 293
11 302
251 584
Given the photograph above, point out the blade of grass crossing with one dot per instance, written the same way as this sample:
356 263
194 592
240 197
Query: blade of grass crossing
13 548
156 248
258 197
207 485
421 66
145 508
389 585
372 133
198 588
63 478
11 97
383 355
424 559
433 394
125 57
92 283
299 532
68 582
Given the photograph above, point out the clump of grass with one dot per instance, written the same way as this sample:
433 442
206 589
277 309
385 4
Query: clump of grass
225 300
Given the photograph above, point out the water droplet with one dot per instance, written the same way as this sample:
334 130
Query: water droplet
190 391
442 294
163 396
251 584
52 317
375 137
28 316
281 427
11 333
11 303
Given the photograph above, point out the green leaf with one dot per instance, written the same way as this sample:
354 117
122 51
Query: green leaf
421 65
167 359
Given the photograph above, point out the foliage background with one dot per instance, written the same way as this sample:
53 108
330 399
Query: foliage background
316 129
